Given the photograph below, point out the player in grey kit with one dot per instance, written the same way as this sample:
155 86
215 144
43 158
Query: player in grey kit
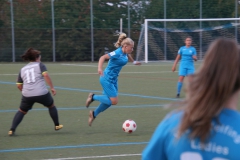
31 82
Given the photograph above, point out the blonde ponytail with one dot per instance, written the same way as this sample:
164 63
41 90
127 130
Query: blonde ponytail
121 37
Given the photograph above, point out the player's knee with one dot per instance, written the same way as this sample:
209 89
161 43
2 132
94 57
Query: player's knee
51 106
181 78
114 101
24 111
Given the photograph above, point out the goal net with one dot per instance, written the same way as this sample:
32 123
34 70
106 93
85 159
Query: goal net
160 39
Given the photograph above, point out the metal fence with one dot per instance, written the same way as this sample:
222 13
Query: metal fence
83 30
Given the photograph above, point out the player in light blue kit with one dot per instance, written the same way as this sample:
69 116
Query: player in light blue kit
187 54
207 125
109 78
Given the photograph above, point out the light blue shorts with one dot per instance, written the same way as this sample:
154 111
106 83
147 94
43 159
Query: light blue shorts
110 89
185 71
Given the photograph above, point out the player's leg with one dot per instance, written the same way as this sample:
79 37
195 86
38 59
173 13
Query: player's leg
101 98
109 98
48 102
182 74
25 106
190 72
103 106
179 85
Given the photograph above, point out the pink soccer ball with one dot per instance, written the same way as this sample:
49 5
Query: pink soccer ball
129 126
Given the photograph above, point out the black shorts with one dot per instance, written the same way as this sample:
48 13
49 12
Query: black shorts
28 102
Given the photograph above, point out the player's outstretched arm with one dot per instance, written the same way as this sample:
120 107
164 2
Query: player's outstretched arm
132 60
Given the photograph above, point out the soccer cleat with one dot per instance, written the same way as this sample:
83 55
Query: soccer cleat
10 133
90 118
89 99
58 127
178 95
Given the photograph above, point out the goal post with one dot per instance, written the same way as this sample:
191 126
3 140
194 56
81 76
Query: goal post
159 36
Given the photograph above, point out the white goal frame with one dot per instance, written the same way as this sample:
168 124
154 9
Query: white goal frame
176 20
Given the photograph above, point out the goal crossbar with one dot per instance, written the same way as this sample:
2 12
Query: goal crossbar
181 20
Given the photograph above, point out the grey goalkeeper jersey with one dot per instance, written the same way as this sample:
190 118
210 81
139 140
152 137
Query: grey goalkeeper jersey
32 79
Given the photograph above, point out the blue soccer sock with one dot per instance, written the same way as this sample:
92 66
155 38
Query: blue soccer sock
102 107
179 87
103 99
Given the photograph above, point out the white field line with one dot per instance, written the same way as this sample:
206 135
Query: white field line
86 65
147 65
129 65
92 73
94 157
8 74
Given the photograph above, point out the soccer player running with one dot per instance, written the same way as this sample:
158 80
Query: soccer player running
109 77
187 54
207 125
34 90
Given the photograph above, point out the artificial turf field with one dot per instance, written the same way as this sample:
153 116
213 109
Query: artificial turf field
143 92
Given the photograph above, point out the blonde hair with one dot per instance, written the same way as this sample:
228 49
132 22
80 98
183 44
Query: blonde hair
209 89
123 40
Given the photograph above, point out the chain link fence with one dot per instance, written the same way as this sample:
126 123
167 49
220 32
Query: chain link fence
83 30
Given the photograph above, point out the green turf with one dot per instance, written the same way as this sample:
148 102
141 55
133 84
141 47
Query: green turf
143 91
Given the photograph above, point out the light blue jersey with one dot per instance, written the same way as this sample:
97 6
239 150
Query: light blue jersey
117 60
224 143
186 65
109 80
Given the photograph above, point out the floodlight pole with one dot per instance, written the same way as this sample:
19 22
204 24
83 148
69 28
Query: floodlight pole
165 32
53 32
13 36
120 25
92 40
129 34
236 16
200 26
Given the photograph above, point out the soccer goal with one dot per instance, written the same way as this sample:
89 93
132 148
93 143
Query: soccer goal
160 39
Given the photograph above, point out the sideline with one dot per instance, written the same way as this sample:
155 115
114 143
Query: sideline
90 157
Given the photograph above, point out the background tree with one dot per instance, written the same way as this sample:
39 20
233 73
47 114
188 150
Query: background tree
33 23
5 29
